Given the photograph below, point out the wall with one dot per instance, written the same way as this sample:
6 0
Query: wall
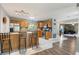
55 30
76 28
65 14
3 14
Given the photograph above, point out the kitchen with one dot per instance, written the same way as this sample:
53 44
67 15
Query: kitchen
23 31
30 30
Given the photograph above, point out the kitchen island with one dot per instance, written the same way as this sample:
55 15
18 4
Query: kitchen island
14 37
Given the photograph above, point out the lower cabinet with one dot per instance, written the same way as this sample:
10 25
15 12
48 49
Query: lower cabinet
30 42
14 41
48 35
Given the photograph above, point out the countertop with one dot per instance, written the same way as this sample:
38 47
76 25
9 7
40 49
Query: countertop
14 33
18 32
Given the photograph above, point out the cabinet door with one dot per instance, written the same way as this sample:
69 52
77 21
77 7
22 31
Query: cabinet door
48 35
40 24
49 23
39 33
6 46
15 41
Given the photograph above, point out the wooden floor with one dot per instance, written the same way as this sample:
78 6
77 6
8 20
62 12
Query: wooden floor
68 48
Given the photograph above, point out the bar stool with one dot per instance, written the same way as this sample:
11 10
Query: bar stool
34 40
22 36
29 34
0 43
3 38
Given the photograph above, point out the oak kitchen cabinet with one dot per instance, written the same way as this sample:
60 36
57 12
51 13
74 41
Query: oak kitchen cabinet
14 37
15 40
48 35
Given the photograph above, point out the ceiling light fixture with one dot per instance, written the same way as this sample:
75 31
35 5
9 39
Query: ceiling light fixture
21 12
24 14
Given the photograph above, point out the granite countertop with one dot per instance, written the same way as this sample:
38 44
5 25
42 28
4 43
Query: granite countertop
18 32
14 33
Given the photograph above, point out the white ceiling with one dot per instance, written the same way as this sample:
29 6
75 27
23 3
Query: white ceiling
40 10
71 21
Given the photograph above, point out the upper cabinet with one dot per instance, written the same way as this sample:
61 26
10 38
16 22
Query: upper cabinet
46 22
17 24
24 24
21 22
49 22
40 24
